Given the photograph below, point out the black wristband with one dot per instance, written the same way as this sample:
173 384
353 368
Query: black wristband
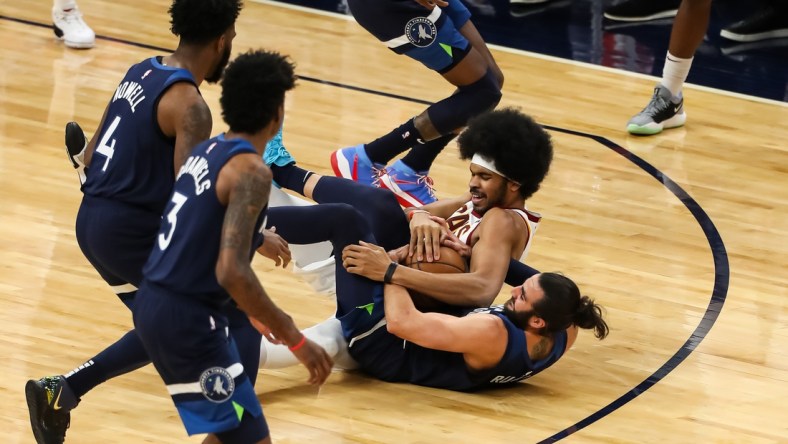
389 273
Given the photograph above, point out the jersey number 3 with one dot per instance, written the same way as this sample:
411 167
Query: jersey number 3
172 218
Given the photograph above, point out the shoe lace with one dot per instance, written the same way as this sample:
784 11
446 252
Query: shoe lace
377 173
656 104
72 16
428 184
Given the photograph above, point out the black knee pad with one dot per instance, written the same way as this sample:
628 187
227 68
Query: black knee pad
471 100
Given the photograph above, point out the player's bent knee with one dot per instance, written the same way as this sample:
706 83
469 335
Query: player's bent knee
471 100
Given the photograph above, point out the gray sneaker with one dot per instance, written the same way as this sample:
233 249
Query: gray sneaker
660 113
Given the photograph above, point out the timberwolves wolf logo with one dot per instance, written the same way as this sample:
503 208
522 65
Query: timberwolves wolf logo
421 32
217 384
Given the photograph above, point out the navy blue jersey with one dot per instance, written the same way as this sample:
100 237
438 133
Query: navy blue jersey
389 358
183 260
133 160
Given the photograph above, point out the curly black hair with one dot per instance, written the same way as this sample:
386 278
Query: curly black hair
518 146
200 21
253 89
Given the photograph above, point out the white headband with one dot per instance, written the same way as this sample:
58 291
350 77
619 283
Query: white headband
484 162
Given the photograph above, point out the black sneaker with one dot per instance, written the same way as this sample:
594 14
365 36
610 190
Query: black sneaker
47 418
768 23
642 10
76 143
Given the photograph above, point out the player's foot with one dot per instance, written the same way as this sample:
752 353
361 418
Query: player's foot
275 152
412 188
662 112
76 143
642 10
72 29
769 23
49 418
352 163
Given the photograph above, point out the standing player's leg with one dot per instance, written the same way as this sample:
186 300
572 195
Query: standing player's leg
432 38
50 399
666 108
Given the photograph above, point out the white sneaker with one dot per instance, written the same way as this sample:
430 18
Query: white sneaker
69 27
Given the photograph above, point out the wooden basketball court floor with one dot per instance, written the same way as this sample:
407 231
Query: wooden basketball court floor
681 236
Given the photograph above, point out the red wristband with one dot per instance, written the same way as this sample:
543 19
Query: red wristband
299 345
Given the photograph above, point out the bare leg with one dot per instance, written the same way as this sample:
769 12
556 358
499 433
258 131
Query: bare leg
690 26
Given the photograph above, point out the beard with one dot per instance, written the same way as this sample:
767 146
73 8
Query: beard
518 318
492 199
217 73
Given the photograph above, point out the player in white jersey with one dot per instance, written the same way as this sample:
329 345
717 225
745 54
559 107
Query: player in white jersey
510 156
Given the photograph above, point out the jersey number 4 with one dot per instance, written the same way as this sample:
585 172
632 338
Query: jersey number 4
107 144
172 218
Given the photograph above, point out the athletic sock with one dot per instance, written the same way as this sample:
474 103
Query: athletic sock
675 73
126 355
421 157
387 147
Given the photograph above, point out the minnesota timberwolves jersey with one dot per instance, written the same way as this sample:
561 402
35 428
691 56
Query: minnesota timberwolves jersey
387 357
133 159
183 260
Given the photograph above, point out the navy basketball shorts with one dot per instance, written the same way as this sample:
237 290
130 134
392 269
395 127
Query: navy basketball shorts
117 239
189 344
431 37
360 313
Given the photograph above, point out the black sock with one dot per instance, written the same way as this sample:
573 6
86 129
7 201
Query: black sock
291 177
385 148
421 157
124 356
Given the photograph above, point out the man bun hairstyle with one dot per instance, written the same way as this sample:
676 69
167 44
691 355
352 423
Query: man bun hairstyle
518 146
589 315
253 89
200 21
563 306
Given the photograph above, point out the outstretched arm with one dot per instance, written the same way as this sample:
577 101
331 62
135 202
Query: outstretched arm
481 338
499 238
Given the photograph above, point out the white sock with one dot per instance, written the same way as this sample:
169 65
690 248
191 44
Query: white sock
327 334
675 73
64 4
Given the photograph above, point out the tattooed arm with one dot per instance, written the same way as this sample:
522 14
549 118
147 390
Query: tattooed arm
243 186
183 114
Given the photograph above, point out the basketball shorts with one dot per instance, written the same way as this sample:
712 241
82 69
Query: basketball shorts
190 346
430 37
117 239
